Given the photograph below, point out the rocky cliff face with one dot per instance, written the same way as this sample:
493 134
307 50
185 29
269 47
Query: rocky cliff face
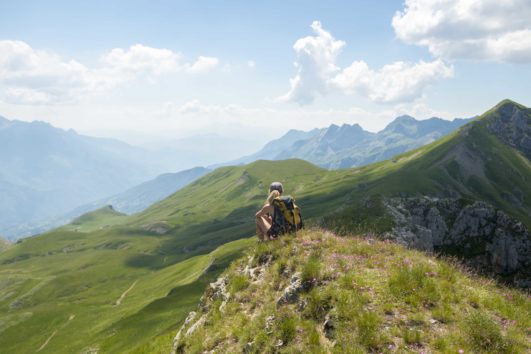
512 125
485 237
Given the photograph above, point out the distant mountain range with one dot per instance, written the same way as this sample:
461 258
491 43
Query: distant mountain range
350 145
115 283
49 176
46 171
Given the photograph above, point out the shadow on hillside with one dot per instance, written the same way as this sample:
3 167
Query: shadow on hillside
188 241
198 239
167 311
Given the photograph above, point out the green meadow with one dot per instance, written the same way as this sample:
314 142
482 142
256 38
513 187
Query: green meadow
111 283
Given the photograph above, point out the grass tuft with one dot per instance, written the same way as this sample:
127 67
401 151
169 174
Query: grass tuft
484 335
414 285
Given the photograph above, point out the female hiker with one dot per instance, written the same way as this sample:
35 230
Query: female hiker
264 215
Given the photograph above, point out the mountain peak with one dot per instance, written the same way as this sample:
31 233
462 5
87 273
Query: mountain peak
507 103
405 118
401 124
400 120
103 213
351 127
511 123
333 127
505 108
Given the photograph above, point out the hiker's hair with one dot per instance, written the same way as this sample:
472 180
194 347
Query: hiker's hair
274 194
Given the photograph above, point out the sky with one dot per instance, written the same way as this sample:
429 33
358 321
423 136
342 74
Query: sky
147 72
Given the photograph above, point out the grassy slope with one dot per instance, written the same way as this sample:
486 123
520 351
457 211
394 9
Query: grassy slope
85 278
4 244
96 220
46 279
82 270
379 297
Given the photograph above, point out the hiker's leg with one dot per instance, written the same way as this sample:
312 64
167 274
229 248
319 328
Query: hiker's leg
264 226
259 232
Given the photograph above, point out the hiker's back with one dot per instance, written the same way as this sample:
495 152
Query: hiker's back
286 218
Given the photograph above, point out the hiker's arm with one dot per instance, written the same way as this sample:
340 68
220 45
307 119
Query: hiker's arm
264 211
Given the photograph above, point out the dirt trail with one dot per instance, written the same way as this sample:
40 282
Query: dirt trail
54 333
119 301
47 340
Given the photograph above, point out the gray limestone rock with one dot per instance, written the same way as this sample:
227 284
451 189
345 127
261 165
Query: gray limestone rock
485 237
291 292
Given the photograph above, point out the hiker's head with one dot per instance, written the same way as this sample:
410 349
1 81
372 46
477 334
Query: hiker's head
276 186
274 194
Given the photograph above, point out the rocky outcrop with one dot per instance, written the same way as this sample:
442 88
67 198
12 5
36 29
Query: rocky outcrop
512 125
218 290
179 334
291 292
159 228
485 237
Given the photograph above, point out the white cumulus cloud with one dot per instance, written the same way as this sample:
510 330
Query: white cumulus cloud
36 77
318 74
316 57
497 30
396 82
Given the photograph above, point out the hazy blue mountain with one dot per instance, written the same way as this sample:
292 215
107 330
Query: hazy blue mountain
133 200
46 171
204 150
277 146
350 145
325 147
143 195
403 134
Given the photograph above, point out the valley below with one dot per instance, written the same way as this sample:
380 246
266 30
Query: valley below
109 282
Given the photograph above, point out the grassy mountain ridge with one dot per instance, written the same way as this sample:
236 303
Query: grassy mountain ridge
320 293
84 269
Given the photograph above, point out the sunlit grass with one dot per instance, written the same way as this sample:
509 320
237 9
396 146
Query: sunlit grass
369 297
